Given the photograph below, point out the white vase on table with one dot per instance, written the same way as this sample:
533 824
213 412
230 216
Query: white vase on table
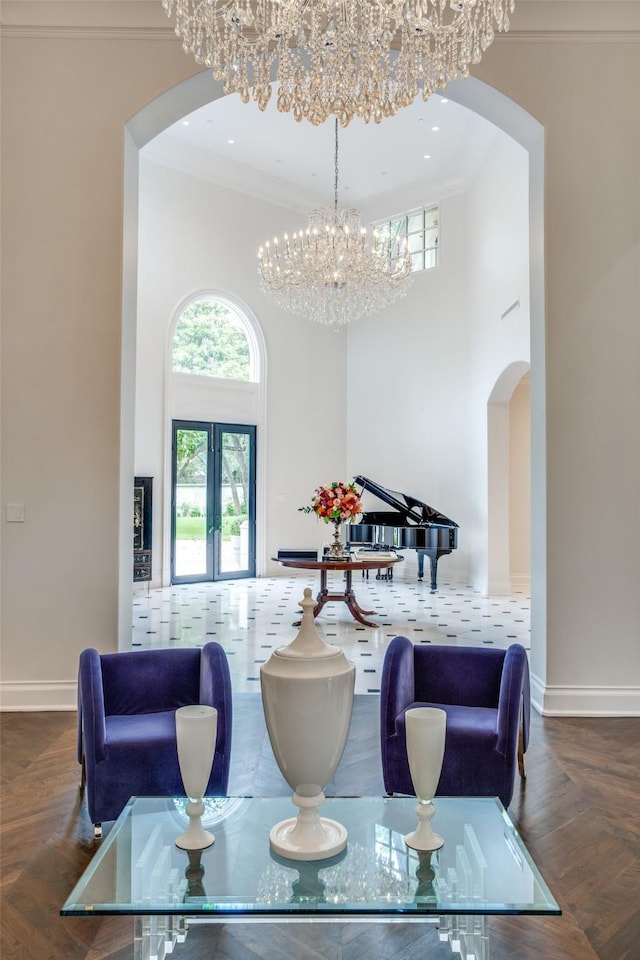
425 730
307 695
196 730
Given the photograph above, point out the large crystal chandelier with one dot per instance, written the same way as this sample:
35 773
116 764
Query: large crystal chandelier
328 273
338 57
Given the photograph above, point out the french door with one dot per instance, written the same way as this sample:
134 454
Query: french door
213 509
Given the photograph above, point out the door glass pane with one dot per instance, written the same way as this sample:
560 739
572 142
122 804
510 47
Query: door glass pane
235 475
190 519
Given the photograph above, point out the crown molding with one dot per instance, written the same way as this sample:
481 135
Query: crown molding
96 14
166 34
230 175
569 36
537 20
53 32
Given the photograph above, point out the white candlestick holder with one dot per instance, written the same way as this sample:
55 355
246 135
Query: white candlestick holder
196 730
425 729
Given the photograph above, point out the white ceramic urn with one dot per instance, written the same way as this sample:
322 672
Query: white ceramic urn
307 695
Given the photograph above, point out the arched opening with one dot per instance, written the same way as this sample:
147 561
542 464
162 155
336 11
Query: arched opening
210 340
213 378
506 115
508 481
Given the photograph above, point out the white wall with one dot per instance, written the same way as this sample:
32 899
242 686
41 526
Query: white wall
420 376
498 235
520 485
195 237
407 389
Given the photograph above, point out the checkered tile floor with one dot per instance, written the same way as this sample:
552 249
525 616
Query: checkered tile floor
251 617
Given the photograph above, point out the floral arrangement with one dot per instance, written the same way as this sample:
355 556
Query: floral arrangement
335 502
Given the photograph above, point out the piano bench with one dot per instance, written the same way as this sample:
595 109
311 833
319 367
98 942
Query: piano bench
380 575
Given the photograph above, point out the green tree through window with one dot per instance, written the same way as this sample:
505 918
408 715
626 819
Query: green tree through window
210 340
191 457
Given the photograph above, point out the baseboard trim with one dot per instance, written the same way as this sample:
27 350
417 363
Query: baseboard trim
548 700
499 588
564 701
17 697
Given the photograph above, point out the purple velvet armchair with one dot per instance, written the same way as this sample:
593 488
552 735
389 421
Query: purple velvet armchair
126 722
485 694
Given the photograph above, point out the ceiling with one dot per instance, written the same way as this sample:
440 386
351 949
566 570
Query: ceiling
425 152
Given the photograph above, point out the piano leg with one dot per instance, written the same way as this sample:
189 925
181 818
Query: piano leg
434 572
433 561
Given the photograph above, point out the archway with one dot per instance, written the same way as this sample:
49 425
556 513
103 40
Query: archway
504 491
471 93
209 398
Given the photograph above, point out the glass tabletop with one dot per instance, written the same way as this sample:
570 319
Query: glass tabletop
483 868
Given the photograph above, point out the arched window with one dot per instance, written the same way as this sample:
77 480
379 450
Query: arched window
210 340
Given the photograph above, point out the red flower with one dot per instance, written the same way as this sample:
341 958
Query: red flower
335 502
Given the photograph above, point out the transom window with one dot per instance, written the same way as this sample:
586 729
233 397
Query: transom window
419 230
210 340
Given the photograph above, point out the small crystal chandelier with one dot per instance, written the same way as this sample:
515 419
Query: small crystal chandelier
328 273
332 57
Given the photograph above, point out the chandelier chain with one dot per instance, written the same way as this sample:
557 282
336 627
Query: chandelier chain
335 178
329 273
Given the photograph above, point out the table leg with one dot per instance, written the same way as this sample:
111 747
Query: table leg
347 597
467 935
154 937
145 940
354 607
323 594
323 597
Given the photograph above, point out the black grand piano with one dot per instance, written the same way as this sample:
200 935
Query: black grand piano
410 525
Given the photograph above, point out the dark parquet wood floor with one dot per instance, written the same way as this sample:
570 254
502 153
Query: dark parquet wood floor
579 814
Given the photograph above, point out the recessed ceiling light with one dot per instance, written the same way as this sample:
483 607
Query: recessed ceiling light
444 100
435 129
427 156
185 123
230 141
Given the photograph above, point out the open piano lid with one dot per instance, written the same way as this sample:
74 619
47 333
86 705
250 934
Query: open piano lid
414 511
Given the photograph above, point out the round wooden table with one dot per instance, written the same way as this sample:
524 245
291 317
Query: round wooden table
347 566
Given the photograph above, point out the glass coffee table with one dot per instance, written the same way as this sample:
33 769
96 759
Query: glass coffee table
483 869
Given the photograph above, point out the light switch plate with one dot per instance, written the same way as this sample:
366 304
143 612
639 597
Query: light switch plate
15 513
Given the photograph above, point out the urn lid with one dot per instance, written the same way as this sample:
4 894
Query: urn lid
308 644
